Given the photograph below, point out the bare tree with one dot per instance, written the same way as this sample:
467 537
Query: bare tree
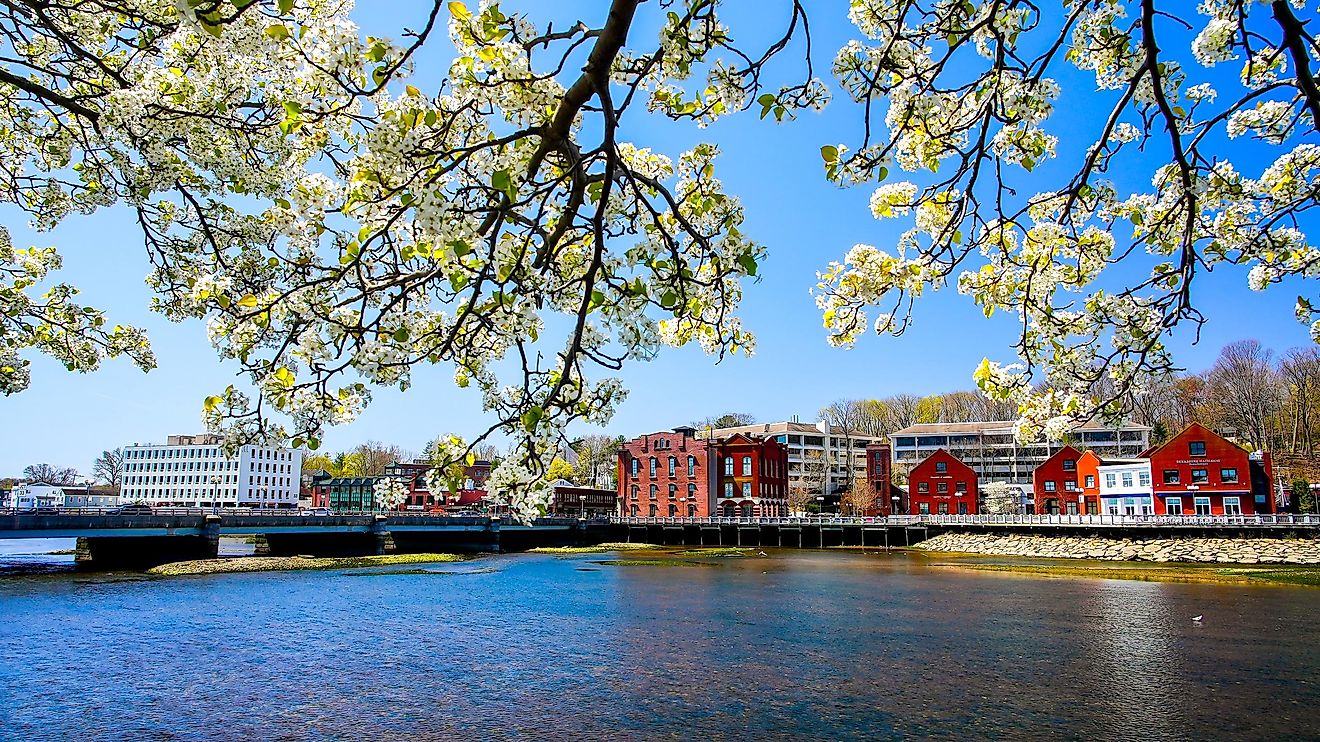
375 456
50 474
1243 389
727 420
860 497
844 417
1301 368
809 483
109 467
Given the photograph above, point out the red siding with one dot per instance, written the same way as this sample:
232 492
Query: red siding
1088 478
927 474
759 467
1059 472
1182 455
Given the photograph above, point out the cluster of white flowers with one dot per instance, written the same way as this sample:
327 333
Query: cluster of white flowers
389 493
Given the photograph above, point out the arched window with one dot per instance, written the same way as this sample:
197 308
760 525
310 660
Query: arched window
654 491
653 465
747 465
673 491
673 510
634 468
692 466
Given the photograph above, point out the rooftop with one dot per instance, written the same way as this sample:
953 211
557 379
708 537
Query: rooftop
1002 426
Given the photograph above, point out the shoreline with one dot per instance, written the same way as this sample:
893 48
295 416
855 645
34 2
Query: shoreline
1262 575
238 565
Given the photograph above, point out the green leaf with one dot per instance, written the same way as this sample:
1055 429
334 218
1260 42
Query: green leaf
531 417
248 301
286 6
829 153
748 263
500 180
668 299
278 31
212 402
401 335
459 11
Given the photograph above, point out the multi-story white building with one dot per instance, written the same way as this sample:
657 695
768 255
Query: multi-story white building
1125 487
821 459
994 453
192 471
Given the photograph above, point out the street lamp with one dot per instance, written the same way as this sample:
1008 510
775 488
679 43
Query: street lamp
582 506
215 493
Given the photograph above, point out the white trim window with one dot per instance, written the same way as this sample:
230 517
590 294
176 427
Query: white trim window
1202 505
1173 505
1232 506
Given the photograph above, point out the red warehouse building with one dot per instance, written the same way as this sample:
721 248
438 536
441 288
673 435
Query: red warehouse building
1055 484
1199 472
942 484
753 477
667 475
889 498
1088 478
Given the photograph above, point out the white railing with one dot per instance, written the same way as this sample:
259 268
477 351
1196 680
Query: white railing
1213 521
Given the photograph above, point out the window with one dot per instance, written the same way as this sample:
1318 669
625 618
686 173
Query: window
1070 464
1127 479
1228 476
1232 506
1173 506
1070 485
653 464
941 467
924 508
1111 480
1049 485
1170 476
1202 505
1143 478
673 466
923 486
692 466
942 487
1200 476
961 487
654 491
1071 507
1090 481
728 466
692 491
747 466
728 489
747 489
1196 448
673 491
944 508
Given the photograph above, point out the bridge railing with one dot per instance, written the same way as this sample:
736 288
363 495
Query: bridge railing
1212 521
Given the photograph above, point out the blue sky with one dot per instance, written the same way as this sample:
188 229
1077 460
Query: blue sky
68 419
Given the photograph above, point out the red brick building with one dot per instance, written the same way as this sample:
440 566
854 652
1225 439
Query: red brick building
1199 472
889 498
667 474
677 475
1055 485
752 477
941 484
471 495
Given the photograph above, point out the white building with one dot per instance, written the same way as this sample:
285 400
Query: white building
1125 487
36 495
192 471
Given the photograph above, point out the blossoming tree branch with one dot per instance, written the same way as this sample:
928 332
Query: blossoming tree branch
335 226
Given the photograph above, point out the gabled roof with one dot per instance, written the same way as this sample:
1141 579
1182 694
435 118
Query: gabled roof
1191 427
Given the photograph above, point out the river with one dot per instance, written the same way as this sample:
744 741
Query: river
794 645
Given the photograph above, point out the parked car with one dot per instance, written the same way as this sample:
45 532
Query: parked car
135 508
317 511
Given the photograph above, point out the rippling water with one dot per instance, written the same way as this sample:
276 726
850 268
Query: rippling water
798 645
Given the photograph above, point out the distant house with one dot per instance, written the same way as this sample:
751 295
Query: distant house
583 502
943 485
1125 487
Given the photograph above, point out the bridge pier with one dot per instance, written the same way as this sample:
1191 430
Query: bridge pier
102 553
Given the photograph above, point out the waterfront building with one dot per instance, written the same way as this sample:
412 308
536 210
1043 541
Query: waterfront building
345 494
42 495
583 502
752 477
677 474
1199 472
823 460
1055 486
1124 487
943 485
890 499
667 474
472 492
193 471
993 452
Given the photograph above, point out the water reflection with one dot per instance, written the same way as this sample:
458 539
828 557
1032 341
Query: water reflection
799 645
